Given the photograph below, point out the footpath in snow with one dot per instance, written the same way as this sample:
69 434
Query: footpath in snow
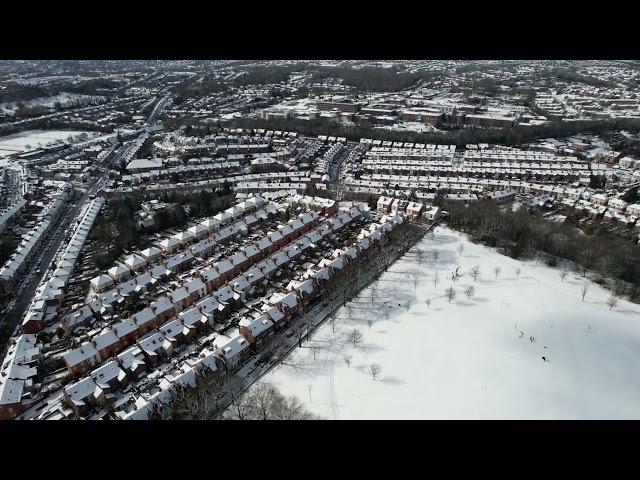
521 346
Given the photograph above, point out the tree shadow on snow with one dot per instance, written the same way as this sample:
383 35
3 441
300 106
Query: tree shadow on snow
392 381
464 303
442 239
371 347
308 368
362 368
480 300
624 311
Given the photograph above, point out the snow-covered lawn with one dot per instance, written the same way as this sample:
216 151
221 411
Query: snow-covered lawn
17 142
473 358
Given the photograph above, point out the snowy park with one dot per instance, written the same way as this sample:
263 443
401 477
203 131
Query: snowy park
24 141
455 330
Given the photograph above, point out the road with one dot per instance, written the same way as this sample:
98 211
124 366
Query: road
27 287
338 167
157 110
337 164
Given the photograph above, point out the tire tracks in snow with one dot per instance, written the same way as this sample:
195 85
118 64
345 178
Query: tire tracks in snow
332 394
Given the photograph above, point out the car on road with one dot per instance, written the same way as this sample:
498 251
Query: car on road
290 334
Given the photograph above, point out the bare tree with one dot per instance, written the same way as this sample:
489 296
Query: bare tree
265 402
300 335
315 349
436 256
260 399
586 259
310 331
435 279
497 271
427 302
240 406
374 370
563 275
518 271
420 256
461 249
584 270
332 320
607 267
203 401
584 290
475 272
373 294
292 409
415 280
188 404
451 294
370 323
347 360
355 337
469 292
612 302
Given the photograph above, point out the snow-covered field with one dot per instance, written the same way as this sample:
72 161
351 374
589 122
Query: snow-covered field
18 142
477 358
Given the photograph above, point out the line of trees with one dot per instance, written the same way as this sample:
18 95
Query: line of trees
263 401
505 136
374 79
263 75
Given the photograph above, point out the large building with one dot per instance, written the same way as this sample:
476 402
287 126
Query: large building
144 165
345 107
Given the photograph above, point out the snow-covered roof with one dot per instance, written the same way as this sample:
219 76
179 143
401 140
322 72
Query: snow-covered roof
101 281
151 252
192 317
135 261
230 347
108 372
80 354
105 339
258 325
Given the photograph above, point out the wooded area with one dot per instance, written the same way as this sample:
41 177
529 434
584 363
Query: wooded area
116 230
521 235
504 136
